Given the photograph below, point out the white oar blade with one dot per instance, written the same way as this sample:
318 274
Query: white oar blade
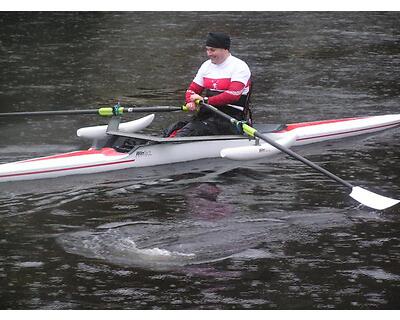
371 199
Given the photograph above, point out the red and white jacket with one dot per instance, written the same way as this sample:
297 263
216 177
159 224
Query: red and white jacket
231 78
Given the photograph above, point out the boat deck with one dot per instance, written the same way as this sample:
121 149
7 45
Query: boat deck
264 128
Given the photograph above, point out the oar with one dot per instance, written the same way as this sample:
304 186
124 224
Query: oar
105 111
367 198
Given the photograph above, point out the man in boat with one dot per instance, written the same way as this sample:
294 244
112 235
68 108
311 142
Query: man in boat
222 81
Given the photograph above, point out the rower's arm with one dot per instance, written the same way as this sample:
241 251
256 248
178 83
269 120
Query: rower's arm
193 88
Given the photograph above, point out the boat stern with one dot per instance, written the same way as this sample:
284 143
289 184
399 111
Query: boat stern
77 162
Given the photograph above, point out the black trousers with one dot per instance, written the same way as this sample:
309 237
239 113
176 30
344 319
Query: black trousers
205 123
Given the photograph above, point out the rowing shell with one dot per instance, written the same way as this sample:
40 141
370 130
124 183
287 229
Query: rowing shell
152 151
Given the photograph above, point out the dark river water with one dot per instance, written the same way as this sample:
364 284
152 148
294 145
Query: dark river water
266 234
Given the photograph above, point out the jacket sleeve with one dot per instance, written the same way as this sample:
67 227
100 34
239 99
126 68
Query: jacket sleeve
229 96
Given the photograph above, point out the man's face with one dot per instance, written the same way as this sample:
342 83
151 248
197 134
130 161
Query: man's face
217 55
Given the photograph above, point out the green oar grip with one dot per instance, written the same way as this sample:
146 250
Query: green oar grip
249 130
109 112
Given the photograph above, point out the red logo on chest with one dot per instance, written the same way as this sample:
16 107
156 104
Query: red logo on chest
217 84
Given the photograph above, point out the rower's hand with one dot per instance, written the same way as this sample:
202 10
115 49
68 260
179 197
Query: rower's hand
192 106
195 97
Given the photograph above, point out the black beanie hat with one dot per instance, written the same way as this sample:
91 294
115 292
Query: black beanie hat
218 40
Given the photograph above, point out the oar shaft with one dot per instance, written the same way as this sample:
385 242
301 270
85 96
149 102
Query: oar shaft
105 111
48 113
152 109
302 159
363 196
253 133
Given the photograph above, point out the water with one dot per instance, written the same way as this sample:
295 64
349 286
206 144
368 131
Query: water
267 234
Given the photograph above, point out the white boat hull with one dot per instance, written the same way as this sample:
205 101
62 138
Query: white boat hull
108 159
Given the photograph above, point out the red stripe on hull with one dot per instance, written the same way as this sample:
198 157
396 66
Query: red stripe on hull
293 126
65 169
105 151
350 131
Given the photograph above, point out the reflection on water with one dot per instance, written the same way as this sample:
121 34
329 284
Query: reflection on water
266 234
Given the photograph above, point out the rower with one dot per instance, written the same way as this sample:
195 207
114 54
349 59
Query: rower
222 81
